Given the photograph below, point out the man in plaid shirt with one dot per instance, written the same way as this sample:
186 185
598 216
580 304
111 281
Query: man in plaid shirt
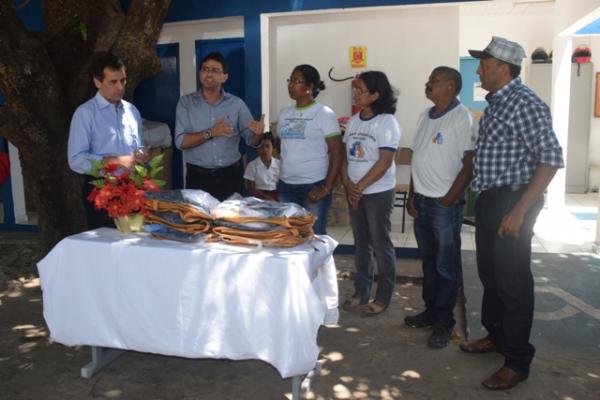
516 157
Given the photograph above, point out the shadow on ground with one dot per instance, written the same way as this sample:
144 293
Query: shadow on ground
362 358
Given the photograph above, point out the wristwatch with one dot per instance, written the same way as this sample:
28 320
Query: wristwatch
207 134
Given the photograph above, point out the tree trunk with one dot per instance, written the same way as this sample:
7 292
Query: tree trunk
44 77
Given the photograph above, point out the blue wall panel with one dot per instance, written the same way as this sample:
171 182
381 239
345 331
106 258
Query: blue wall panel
468 70
157 97
183 10
31 15
233 51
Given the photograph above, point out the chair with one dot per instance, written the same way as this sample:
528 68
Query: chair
403 157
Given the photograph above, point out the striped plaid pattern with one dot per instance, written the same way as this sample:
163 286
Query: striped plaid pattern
515 134
505 50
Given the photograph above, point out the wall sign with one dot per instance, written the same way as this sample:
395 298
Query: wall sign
358 56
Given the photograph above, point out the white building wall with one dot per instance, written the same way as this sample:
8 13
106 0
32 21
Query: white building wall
594 143
531 27
404 42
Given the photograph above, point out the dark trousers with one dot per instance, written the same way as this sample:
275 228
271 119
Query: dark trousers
437 230
220 182
504 266
95 218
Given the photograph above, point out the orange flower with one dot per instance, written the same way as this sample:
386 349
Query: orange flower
121 194
110 168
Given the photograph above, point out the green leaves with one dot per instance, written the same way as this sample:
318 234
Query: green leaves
111 173
96 168
141 170
97 183
83 30
155 171
156 161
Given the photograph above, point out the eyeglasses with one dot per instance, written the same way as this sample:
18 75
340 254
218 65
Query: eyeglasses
358 90
215 70
295 81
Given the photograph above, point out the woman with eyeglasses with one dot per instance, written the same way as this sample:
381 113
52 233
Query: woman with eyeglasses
311 147
369 177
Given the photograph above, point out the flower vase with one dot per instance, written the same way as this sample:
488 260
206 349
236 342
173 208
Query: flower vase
129 223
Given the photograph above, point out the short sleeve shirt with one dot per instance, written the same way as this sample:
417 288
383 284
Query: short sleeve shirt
304 132
438 149
264 178
364 139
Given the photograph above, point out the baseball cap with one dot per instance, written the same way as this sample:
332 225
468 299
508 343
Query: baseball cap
502 49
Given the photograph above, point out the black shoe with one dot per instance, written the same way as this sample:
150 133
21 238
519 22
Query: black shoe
421 320
440 337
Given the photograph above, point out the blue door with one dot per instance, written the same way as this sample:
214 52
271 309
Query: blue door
5 188
471 93
6 191
156 98
233 51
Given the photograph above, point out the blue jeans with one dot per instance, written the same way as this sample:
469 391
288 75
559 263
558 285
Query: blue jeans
299 194
371 227
437 229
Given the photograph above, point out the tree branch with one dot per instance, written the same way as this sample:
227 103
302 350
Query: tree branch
28 79
136 42
88 28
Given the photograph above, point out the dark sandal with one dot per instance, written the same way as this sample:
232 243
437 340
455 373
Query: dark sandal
374 308
353 303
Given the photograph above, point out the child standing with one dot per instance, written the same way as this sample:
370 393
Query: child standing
262 173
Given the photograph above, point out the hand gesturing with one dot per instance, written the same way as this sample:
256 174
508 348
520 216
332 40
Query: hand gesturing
221 128
258 127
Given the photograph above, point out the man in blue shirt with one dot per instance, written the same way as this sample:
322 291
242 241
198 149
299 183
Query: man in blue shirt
208 127
516 156
105 128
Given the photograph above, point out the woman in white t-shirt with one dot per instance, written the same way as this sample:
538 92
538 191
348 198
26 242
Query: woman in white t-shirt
311 147
369 177
262 173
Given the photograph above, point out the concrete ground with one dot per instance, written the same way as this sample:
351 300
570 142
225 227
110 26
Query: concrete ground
361 358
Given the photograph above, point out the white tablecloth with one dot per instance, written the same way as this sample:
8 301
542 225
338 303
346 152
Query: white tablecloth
103 288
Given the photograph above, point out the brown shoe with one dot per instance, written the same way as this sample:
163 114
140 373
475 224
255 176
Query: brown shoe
504 378
484 345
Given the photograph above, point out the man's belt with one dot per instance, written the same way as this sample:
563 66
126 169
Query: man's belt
194 169
504 189
426 197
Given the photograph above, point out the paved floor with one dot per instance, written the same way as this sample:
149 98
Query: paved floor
361 358
569 230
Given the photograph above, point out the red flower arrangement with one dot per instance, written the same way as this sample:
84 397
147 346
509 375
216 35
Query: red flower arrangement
122 193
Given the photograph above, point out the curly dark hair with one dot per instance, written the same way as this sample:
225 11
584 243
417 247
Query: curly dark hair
377 82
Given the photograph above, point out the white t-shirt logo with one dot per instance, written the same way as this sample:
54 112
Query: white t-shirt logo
294 129
356 150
